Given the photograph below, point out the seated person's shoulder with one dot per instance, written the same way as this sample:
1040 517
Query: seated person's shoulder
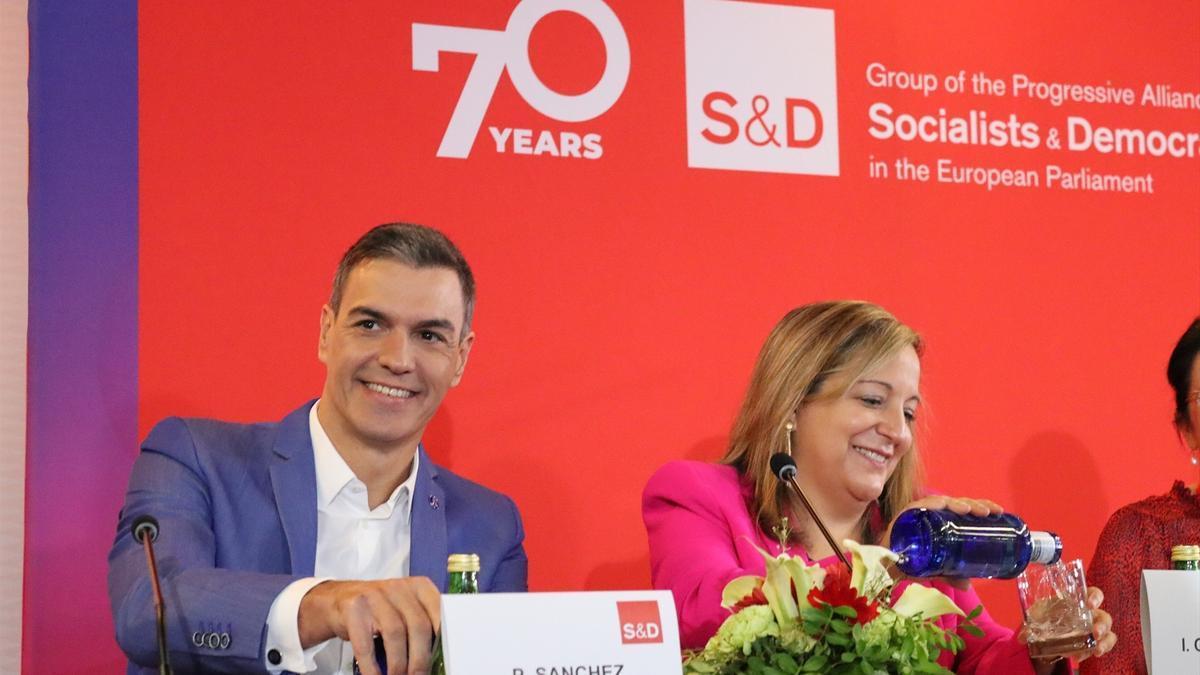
714 489
1143 512
685 479
210 438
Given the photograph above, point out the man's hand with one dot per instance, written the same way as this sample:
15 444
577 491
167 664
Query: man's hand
404 612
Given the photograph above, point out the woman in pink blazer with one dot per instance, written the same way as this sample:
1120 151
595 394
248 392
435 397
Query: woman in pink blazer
837 385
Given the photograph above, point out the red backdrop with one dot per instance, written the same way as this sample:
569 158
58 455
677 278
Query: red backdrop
623 298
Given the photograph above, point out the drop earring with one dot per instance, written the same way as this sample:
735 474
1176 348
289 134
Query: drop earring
790 427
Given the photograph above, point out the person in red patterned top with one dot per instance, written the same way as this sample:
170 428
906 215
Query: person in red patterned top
1140 535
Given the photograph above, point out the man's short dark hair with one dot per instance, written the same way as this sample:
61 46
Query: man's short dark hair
414 245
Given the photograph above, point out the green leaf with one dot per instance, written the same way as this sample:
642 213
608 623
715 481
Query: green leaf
785 661
975 612
815 664
811 614
931 667
973 630
843 610
837 639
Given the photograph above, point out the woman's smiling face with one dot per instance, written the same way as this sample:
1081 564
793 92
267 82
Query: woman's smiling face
847 446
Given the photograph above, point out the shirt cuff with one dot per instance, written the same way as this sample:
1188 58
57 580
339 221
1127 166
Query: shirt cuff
283 631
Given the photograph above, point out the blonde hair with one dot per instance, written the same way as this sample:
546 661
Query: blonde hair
808 346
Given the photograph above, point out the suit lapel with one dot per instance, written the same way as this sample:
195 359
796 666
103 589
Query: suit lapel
428 541
294 483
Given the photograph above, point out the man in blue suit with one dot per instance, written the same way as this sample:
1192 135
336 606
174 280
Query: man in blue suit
287 547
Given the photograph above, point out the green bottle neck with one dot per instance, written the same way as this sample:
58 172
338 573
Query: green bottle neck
463 582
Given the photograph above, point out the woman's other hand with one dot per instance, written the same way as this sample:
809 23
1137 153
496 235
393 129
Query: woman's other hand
1101 630
1101 625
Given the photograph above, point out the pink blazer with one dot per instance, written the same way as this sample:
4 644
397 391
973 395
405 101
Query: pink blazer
702 536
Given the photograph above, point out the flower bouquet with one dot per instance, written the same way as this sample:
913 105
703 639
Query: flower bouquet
807 619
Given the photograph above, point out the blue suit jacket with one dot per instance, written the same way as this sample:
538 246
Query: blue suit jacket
237 510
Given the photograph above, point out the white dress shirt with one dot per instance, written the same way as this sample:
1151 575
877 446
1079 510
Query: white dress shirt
353 542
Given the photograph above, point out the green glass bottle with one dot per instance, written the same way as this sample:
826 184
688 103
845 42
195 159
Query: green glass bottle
463 572
1185 557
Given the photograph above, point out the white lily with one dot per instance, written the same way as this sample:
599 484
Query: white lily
738 589
804 578
929 602
783 574
869 575
778 589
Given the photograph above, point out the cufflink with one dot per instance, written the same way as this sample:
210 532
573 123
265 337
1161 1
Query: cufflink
274 657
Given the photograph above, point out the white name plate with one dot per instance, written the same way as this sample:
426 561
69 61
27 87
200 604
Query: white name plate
593 633
1171 621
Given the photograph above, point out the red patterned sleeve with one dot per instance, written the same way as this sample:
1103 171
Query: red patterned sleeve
1128 544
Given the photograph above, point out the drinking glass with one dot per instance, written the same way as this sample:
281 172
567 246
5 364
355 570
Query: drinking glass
1054 602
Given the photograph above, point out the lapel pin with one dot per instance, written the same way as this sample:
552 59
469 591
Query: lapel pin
434 502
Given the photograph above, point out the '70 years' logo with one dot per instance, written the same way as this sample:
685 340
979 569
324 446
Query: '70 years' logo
497 50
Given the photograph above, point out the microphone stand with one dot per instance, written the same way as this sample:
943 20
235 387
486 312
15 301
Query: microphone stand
786 472
145 530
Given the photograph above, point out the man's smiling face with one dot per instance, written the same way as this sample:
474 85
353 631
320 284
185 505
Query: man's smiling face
392 350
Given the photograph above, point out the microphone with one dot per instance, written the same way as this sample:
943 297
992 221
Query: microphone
145 531
784 468
145 526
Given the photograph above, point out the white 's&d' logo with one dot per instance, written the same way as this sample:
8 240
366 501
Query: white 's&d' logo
761 87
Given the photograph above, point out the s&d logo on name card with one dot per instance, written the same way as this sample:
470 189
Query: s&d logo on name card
640 622
499 50
761 87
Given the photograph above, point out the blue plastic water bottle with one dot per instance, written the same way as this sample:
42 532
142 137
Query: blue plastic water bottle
947 544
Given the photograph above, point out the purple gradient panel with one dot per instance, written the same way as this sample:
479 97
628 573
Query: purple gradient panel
83 244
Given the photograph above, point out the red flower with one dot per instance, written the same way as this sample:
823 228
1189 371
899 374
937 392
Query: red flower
755 598
838 593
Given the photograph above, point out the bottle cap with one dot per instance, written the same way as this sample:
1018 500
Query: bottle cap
462 562
1185 553
1047 547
